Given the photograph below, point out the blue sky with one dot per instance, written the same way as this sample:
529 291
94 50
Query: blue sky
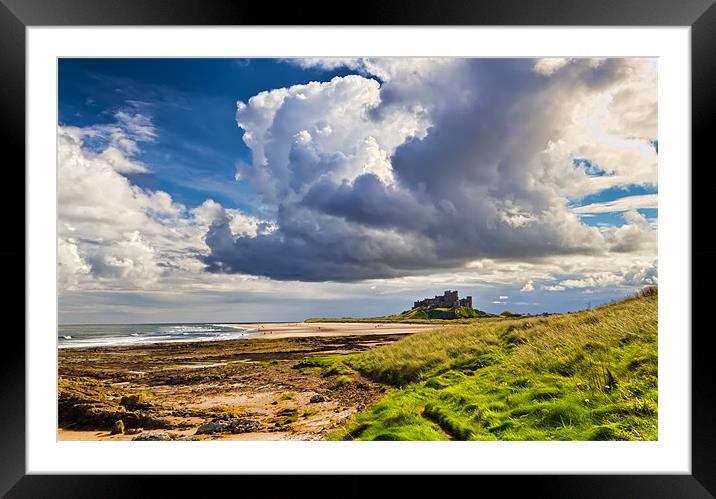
219 189
616 219
193 105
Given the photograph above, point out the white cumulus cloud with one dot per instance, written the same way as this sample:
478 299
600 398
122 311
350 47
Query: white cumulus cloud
441 163
115 235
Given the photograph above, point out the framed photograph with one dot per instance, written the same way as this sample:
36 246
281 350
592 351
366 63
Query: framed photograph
438 240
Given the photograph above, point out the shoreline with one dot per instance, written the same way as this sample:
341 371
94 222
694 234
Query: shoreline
275 330
173 389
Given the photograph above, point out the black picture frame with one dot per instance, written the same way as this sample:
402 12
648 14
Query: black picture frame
700 15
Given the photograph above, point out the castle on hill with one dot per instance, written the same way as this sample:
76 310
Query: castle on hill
448 300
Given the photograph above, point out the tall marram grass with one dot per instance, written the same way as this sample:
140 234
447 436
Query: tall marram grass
435 350
584 376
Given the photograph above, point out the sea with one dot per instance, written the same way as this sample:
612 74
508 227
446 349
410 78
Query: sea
108 335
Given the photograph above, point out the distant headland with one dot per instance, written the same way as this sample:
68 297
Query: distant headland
448 306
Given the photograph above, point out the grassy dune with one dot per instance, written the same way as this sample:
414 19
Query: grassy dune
585 376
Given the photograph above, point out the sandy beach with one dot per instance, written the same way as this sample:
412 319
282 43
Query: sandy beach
247 389
277 330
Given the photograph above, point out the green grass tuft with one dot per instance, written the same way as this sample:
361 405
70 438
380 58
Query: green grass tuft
327 365
342 381
315 361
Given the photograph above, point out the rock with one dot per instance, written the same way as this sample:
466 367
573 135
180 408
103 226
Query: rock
234 425
133 431
245 425
153 436
143 419
117 427
134 402
213 427
318 398
85 404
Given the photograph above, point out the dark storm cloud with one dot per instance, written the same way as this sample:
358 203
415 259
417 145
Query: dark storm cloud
312 246
369 202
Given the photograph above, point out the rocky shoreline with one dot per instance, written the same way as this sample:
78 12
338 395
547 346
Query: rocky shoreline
237 389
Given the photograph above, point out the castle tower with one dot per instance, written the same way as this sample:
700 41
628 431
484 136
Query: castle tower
451 299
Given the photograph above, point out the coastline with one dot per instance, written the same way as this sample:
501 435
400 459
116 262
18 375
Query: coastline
231 331
172 389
